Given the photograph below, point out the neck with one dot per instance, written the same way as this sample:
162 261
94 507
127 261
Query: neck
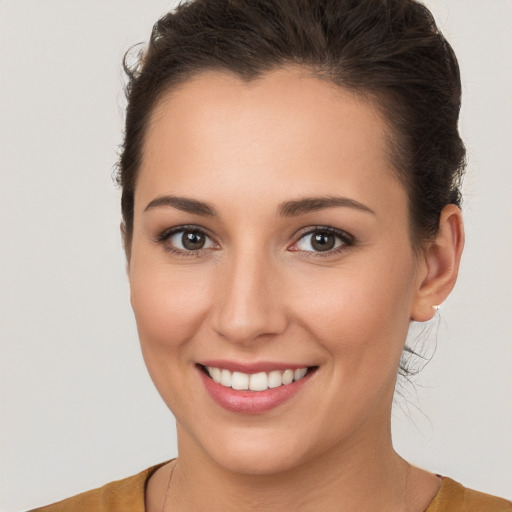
356 476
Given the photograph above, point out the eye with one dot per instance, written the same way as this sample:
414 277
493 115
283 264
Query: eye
323 239
183 240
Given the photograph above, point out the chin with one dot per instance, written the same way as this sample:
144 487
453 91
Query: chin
257 459
249 451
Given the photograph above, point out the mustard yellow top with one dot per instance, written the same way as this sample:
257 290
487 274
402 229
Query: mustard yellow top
127 495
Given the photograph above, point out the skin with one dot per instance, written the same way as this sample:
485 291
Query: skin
259 292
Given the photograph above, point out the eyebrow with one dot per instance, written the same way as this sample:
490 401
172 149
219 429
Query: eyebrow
311 204
287 209
184 204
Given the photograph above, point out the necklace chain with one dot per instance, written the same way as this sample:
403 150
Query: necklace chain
407 471
168 486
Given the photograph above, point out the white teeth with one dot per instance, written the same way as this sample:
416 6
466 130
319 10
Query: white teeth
260 381
300 373
287 377
225 378
240 381
215 374
275 379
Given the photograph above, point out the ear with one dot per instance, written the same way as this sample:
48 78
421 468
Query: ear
441 259
126 246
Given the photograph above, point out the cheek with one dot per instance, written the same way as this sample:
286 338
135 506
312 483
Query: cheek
169 309
360 316
169 306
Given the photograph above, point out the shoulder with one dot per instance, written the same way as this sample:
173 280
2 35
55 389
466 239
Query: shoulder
454 497
126 495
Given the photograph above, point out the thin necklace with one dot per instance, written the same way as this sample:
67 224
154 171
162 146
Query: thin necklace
404 499
168 486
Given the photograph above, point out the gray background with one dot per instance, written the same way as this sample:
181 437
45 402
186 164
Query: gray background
77 406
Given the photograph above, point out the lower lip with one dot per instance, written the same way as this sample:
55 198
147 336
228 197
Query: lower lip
252 402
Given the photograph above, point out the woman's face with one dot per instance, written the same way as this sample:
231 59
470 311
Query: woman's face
270 234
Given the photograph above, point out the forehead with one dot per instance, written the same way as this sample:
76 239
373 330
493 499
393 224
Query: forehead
291 97
286 128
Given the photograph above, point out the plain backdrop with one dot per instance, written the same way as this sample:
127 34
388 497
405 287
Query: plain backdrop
77 407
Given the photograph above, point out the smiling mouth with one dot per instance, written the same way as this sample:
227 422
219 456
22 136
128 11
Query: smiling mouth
260 381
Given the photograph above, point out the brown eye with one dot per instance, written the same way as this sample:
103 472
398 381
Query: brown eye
323 241
189 240
193 240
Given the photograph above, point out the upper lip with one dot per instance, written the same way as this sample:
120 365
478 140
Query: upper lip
255 367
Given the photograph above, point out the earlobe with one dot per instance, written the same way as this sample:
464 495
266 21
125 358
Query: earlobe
442 259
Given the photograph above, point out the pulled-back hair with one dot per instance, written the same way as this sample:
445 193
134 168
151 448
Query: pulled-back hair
387 50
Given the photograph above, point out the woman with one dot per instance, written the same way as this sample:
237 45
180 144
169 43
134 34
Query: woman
290 177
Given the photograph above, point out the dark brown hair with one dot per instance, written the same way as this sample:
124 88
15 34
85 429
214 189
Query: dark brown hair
388 50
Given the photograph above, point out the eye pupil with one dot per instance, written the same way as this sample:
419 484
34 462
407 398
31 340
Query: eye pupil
193 240
323 241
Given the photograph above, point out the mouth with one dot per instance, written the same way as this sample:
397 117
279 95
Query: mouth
259 381
257 389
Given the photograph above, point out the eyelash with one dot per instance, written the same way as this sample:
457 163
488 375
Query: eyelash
346 239
165 235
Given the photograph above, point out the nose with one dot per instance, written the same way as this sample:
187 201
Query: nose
249 304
